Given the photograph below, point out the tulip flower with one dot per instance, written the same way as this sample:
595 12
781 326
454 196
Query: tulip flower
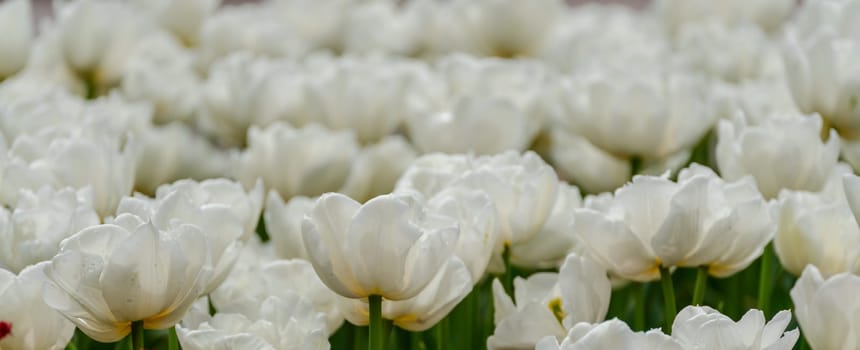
387 27
288 322
182 18
243 90
549 247
825 308
55 157
483 106
549 304
448 288
523 187
255 28
610 335
307 161
389 248
26 322
254 280
113 279
780 153
18 36
699 327
188 204
653 222
284 224
475 215
768 14
377 167
154 59
360 95
33 230
97 37
817 230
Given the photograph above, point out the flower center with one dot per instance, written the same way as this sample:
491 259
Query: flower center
5 329
555 306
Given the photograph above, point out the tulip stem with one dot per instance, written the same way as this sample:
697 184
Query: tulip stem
701 285
639 302
765 282
508 278
669 308
172 340
376 340
137 335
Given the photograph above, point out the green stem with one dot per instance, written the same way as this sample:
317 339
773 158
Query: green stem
172 339
508 278
701 285
376 340
439 335
137 335
639 307
765 282
669 308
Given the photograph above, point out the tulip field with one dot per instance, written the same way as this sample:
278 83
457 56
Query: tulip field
429 175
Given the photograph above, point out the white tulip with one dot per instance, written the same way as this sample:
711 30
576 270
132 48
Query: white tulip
180 153
638 113
391 246
549 247
377 167
384 26
33 230
610 335
583 163
252 282
698 327
307 161
450 286
768 14
17 29
780 153
246 206
724 226
814 229
826 309
475 26
733 53
209 208
156 59
284 224
108 276
182 18
34 324
60 159
549 304
97 38
653 222
362 95
475 214
244 90
485 106
278 323
254 28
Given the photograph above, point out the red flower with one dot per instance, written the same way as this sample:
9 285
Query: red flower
5 329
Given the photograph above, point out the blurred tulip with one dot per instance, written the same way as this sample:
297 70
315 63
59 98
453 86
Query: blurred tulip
825 308
610 335
698 327
377 167
315 159
33 230
278 323
780 153
182 18
34 324
17 29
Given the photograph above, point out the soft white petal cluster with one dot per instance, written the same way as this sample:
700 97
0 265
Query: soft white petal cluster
34 324
696 327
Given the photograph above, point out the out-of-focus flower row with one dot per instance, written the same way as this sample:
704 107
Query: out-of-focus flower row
414 151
